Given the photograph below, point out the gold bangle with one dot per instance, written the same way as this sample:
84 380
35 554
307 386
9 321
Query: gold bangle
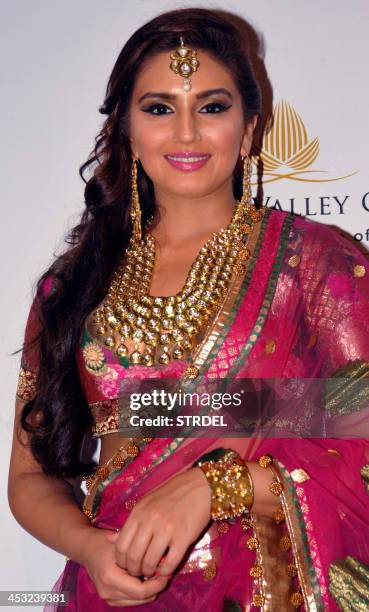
232 489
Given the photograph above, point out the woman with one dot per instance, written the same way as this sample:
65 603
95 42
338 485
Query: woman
168 277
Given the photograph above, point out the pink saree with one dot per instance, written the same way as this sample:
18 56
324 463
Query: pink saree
299 312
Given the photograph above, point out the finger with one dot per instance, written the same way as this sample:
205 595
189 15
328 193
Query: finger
132 587
172 560
123 543
137 550
154 554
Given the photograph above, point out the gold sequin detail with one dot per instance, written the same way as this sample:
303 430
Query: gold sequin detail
299 475
285 543
294 261
270 347
276 488
210 571
359 271
252 543
258 600
265 461
296 599
223 527
256 571
27 385
291 570
132 450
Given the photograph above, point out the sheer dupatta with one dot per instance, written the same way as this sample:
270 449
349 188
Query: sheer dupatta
300 312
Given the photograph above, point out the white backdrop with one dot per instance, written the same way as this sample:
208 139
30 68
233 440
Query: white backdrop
56 58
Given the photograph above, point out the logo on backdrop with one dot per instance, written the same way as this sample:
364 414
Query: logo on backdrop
287 152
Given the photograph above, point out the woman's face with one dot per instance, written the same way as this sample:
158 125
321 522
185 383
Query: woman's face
188 142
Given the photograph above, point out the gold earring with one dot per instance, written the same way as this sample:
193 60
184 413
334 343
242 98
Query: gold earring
246 180
135 211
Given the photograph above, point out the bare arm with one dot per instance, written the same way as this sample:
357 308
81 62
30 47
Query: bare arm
45 506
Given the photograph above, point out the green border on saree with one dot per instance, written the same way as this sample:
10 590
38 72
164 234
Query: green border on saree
268 297
241 294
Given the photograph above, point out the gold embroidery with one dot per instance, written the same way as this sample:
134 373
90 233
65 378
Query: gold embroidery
359 271
106 417
347 390
27 385
94 358
299 475
210 571
348 584
364 472
270 347
294 261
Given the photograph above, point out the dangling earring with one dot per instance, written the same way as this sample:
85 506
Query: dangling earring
246 180
135 211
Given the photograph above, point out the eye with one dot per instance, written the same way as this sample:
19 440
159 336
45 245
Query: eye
157 109
214 107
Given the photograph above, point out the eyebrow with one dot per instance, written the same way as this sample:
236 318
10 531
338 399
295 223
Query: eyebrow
199 96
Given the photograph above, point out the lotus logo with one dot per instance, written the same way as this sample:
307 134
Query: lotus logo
286 144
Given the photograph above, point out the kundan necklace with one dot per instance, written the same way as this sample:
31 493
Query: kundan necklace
164 328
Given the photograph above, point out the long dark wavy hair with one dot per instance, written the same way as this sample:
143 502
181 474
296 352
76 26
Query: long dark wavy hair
83 272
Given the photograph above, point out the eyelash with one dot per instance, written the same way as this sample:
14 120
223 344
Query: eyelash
222 107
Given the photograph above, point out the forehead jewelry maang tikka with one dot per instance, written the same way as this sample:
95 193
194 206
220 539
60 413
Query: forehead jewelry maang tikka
184 62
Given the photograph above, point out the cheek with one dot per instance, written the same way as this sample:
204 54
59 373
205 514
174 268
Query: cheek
147 137
227 138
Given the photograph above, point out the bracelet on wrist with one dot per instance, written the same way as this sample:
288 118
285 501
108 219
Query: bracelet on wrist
232 490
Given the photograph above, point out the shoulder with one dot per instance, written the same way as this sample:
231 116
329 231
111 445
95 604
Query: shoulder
321 243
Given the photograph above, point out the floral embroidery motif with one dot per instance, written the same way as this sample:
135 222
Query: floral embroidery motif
26 389
108 382
94 358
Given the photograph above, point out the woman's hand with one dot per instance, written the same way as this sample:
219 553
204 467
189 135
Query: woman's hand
173 516
113 583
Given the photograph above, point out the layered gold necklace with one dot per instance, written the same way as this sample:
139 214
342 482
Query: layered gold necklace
164 328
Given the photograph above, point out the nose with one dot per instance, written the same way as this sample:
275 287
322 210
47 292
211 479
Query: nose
186 127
